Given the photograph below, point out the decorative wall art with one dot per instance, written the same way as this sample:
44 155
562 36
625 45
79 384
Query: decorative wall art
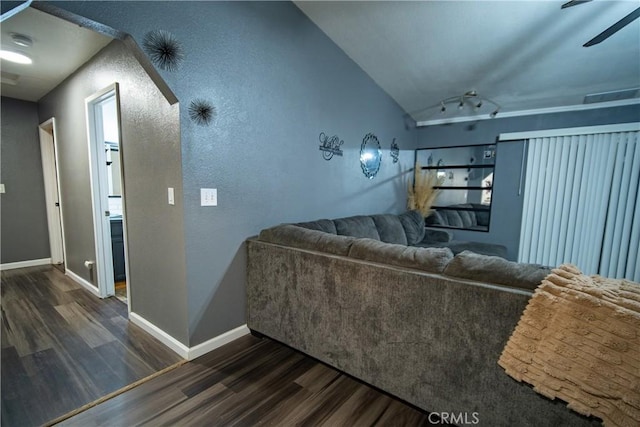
330 146
395 151
163 49
201 112
370 155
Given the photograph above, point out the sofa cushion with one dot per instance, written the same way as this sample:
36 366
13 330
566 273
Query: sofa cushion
390 229
482 216
303 238
468 217
432 260
413 224
493 269
434 219
452 218
458 246
357 226
325 225
435 236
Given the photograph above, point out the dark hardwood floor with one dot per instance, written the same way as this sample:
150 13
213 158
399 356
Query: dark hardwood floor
252 381
63 348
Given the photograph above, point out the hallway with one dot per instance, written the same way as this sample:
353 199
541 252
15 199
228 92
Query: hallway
63 348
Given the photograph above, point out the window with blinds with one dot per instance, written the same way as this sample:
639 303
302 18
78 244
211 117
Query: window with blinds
581 203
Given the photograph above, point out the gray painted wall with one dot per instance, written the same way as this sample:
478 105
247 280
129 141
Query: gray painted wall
506 210
150 147
25 234
276 81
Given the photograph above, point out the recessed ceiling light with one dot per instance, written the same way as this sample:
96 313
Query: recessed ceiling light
17 57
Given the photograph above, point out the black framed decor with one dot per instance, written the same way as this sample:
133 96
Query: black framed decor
330 146
467 176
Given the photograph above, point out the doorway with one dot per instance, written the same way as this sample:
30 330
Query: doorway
107 190
47 132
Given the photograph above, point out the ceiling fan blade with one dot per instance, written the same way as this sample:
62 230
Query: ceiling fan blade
573 3
614 28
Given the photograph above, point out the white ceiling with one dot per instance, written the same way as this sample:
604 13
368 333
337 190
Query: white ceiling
521 54
59 48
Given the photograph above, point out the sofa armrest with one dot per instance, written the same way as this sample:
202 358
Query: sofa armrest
439 236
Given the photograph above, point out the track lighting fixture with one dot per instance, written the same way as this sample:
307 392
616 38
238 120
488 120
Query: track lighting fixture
470 99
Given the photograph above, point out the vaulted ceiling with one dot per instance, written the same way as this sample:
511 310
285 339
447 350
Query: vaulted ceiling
521 54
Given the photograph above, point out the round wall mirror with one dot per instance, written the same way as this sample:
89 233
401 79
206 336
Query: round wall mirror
370 155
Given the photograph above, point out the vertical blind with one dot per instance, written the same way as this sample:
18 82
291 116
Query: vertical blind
581 203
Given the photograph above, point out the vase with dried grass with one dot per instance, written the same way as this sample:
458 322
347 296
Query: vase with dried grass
421 192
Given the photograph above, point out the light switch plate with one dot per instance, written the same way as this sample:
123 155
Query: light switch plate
171 196
1 188
208 197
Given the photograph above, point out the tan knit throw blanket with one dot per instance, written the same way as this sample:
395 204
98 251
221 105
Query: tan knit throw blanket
579 340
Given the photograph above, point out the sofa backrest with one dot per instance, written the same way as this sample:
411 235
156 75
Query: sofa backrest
357 226
494 269
404 229
466 265
432 260
304 238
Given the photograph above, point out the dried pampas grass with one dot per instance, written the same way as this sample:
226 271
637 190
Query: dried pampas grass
421 192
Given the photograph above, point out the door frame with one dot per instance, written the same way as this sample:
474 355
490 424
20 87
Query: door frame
49 153
100 191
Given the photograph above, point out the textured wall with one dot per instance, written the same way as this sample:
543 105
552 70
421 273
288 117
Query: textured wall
506 210
25 235
276 81
152 162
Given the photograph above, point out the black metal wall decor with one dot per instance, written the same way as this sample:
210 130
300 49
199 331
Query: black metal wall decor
395 151
330 146
201 112
370 155
163 49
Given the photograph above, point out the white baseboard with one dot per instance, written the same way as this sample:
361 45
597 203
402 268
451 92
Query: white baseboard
181 349
166 339
83 282
23 264
216 342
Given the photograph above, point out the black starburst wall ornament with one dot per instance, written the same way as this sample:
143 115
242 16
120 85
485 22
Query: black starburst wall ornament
201 112
163 49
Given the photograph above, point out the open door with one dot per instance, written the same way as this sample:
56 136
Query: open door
47 131
103 124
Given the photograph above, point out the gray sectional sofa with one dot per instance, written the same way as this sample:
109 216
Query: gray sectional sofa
417 322
404 229
468 219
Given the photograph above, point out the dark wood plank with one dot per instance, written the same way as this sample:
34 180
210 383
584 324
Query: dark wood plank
85 325
63 348
252 381
15 386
